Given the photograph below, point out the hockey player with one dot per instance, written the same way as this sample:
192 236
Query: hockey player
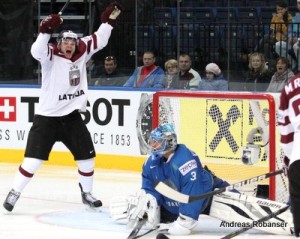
181 169
289 124
63 95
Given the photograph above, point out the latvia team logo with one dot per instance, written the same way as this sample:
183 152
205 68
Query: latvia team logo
74 77
8 109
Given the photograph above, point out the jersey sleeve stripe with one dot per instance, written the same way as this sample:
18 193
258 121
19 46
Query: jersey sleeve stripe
285 139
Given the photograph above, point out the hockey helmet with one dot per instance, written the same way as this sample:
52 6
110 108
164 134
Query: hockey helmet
163 138
67 35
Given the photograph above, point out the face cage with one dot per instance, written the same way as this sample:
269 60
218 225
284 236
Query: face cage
167 144
157 146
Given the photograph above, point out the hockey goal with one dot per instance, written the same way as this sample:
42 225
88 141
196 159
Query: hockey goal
221 127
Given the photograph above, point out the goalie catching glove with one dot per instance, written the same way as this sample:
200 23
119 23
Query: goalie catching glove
128 210
146 204
50 23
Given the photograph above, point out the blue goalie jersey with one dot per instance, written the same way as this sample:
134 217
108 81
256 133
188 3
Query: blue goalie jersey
183 172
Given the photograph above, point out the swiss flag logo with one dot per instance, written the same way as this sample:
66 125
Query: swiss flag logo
8 108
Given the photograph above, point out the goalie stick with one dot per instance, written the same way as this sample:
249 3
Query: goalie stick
141 222
241 230
265 218
145 233
169 192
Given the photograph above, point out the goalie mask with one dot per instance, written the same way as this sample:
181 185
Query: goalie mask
67 36
163 139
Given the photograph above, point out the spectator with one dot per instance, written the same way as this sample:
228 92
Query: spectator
90 65
147 76
258 77
279 25
111 76
214 79
295 32
189 76
172 75
272 43
282 76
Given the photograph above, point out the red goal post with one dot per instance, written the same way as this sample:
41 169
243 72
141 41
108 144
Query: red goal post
217 125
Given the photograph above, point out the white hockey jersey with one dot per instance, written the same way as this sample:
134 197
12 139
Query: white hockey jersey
289 119
64 81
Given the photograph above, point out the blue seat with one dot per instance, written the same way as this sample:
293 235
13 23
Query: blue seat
187 38
234 3
293 10
164 15
191 3
259 3
204 15
165 40
266 14
248 15
145 37
232 41
252 35
226 15
214 3
208 42
186 15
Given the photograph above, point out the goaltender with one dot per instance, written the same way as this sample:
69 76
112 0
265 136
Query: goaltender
180 168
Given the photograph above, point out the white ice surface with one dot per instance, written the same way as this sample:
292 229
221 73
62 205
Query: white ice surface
50 207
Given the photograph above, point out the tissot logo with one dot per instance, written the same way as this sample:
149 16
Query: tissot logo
8 109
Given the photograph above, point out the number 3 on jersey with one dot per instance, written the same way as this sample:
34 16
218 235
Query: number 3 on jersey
193 176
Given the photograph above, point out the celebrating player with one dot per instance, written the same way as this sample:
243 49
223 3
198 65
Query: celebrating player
63 96
180 168
289 124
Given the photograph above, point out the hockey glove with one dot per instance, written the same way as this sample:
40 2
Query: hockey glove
286 163
147 204
50 23
111 13
182 226
122 206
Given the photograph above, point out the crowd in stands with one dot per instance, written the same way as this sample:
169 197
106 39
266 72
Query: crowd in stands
268 65
179 74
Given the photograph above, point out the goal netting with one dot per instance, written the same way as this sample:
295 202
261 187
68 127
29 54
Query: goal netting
221 127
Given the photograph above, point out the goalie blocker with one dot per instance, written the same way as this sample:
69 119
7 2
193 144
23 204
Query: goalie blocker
233 209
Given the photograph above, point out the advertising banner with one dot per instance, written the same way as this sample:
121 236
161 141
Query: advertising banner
113 118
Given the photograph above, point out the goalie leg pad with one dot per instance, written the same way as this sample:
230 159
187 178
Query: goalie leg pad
239 210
